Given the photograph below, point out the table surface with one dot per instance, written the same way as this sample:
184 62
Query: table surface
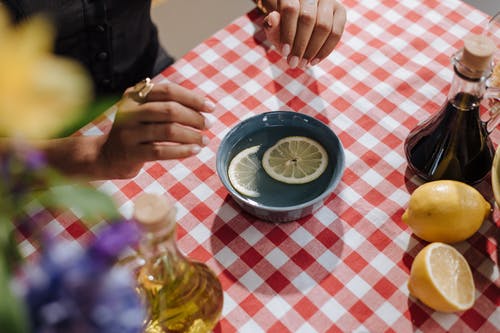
344 268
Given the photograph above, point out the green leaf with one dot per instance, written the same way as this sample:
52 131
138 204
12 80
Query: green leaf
89 203
13 317
8 245
12 252
5 227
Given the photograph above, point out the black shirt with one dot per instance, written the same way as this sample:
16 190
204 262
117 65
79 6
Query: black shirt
114 39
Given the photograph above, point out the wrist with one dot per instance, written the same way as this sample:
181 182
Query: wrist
75 156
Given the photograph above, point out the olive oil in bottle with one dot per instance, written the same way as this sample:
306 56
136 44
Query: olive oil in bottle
454 142
181 295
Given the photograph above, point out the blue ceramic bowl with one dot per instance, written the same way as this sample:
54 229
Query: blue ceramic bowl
280 202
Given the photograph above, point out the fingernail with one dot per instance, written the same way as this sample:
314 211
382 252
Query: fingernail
302 63
205 140
209 122
337 30
209 105
315 61
285 50
294 61
195 149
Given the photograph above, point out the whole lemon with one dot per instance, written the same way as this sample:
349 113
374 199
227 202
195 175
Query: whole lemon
445 211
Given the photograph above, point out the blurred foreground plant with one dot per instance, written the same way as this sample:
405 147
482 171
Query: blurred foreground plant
44 92
80 290
41 96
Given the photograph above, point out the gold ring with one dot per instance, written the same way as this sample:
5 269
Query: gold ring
142 89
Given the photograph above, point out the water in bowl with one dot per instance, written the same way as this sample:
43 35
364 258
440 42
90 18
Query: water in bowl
275 193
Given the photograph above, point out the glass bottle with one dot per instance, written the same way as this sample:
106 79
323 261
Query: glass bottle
454 143
181 295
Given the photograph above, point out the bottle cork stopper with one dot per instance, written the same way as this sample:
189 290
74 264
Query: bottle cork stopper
153 212
478 51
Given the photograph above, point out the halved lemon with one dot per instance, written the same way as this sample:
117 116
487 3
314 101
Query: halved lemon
242 171
295 160
441 278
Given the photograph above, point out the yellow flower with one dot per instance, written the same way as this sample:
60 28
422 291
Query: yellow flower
40 93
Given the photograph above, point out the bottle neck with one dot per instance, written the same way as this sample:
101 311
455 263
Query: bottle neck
466 81
161 258
161 243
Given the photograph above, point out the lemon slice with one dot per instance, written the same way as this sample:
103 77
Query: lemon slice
295 160
242 171
441 278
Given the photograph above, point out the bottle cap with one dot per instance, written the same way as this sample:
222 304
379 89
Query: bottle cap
154 212
478 51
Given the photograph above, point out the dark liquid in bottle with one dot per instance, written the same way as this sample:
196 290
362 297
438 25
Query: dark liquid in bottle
453 144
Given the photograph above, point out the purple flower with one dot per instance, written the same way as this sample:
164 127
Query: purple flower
82 290
114 239
35 160
21 170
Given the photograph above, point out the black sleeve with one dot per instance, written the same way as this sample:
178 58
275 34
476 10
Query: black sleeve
15 9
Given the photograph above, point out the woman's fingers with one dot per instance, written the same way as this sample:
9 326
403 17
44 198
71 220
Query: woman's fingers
172 112
305 26
170 132
165 151
289 11
167 125
166 122
339 20
174 92
322 29
154 141
272 28
167 102
309 29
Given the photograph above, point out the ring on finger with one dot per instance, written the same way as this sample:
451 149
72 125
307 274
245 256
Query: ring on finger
142 89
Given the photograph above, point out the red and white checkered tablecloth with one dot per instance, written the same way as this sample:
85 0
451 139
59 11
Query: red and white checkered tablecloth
345 268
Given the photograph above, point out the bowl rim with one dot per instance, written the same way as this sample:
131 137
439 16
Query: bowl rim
495 176
282 209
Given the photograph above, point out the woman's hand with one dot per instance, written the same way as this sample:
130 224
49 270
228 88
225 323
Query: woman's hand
168 125
305 31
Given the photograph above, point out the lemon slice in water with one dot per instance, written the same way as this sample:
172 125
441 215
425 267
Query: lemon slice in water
242 171
441 278
295 160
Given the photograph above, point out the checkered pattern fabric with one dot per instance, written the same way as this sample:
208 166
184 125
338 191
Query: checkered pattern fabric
346 267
